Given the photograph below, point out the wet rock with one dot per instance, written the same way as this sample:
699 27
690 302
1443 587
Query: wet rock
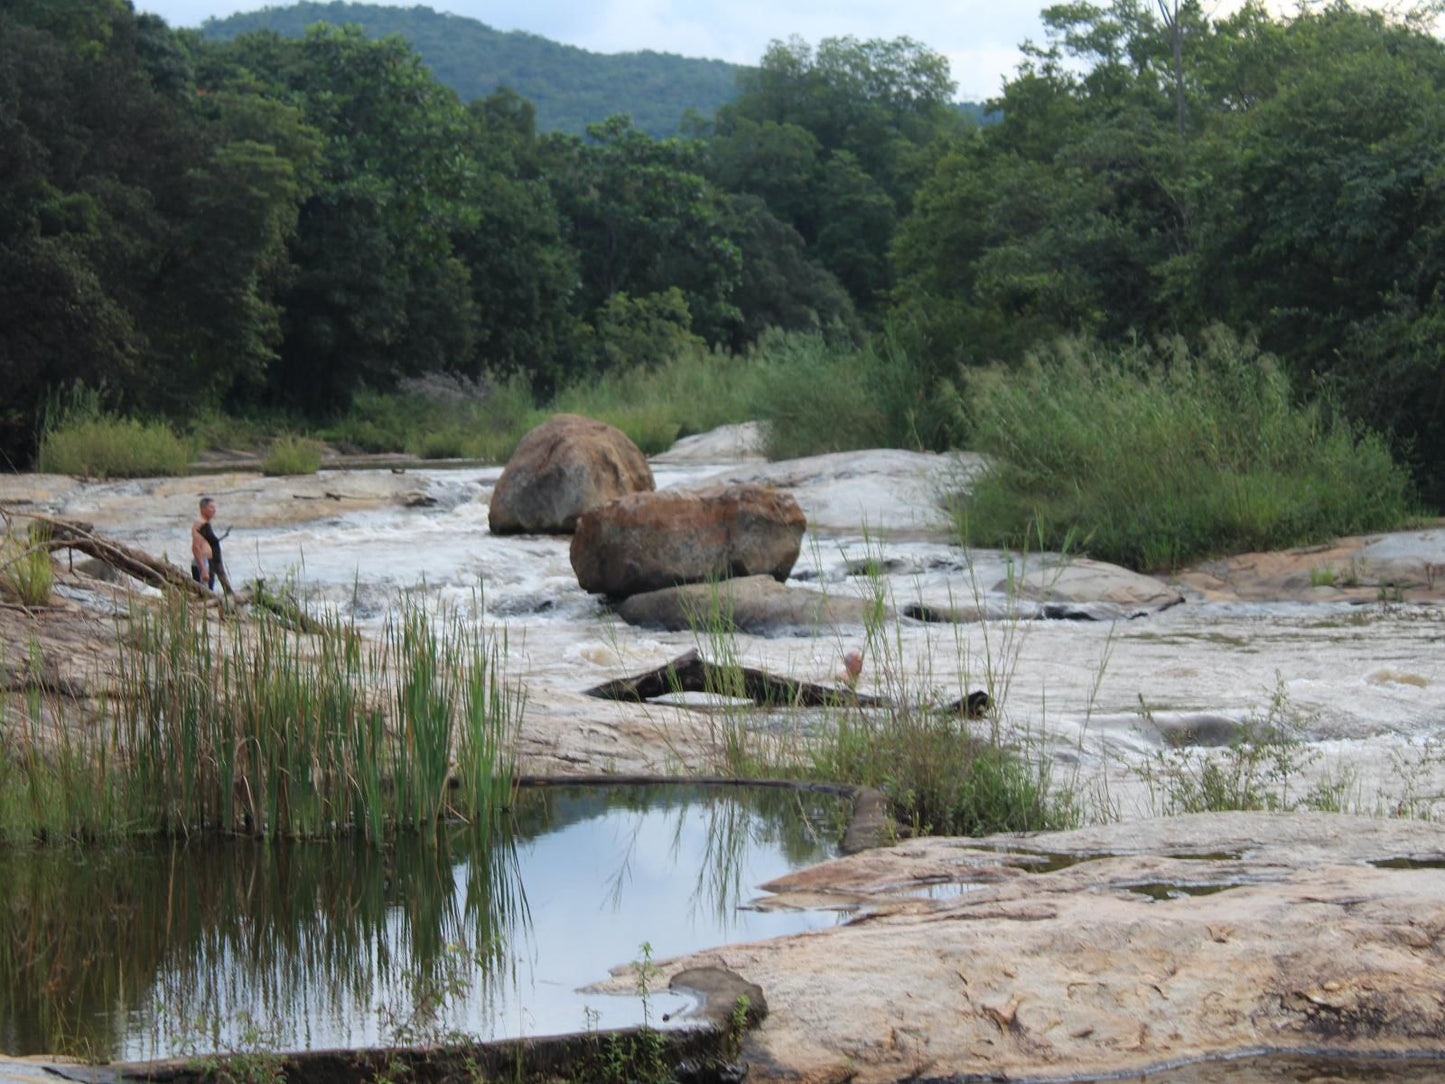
648 541
1181 729
1080 589
566 466
1268 930
753 604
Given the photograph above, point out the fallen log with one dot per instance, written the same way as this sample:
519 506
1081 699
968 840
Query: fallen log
694 674
75 535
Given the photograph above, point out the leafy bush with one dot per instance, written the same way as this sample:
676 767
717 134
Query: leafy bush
1154 457
292 455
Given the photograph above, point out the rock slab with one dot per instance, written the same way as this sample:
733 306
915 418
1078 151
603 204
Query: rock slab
566 466
648 541
753 604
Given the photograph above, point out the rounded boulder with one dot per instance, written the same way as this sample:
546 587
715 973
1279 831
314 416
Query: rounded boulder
562 468
648 541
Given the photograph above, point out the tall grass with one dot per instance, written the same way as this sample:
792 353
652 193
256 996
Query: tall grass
696 390
820 395
940 776
80 437
258 728
1156 456
26 571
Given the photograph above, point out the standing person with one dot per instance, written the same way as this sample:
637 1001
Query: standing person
206 565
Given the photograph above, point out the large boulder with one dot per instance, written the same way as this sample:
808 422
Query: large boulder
562 468
647 541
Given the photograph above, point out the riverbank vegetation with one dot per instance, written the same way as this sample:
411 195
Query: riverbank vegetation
253 727
318 232
1152 457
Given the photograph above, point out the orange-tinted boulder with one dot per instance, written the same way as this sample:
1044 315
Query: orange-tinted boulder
646 541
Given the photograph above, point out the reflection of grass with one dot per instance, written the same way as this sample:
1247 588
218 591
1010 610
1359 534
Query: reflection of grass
209 934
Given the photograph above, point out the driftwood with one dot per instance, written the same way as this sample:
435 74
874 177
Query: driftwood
693 674
74 535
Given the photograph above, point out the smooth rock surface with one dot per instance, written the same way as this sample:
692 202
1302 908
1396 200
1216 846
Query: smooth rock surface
754 604
647 541
740 443
1078 588
566 466
1280 934
882 490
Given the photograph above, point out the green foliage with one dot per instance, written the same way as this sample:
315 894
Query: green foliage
291 454
1155 457
1154 175
440 417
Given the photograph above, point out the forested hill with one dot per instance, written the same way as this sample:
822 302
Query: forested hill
570 87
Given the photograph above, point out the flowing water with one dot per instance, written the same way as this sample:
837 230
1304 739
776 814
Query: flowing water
153 951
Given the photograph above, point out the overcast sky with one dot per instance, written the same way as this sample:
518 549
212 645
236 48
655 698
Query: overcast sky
979 37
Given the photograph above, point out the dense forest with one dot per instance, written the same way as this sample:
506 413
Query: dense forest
189 222
568 87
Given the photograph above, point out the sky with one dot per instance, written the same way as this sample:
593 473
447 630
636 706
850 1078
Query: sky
980 38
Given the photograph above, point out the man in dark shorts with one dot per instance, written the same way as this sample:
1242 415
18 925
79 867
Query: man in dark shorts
206 566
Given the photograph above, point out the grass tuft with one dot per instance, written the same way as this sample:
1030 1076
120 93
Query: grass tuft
291 454
26 570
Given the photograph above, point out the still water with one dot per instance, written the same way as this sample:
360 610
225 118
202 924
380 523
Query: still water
157 951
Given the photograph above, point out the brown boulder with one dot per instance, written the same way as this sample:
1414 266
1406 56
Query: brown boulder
647 541
562 468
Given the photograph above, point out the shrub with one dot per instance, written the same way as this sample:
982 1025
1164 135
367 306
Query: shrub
292 455
819 395
112 447
1154 457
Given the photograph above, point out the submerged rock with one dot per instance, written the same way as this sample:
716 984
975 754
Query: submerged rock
564 467
647 541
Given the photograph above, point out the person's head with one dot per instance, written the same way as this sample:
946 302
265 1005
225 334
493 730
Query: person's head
208 507
853 662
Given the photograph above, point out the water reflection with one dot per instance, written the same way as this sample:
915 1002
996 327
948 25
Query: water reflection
156 950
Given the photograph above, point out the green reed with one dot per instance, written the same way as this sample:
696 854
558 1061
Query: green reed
255 727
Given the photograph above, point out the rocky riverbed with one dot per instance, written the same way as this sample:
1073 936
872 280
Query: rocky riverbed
1104 673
